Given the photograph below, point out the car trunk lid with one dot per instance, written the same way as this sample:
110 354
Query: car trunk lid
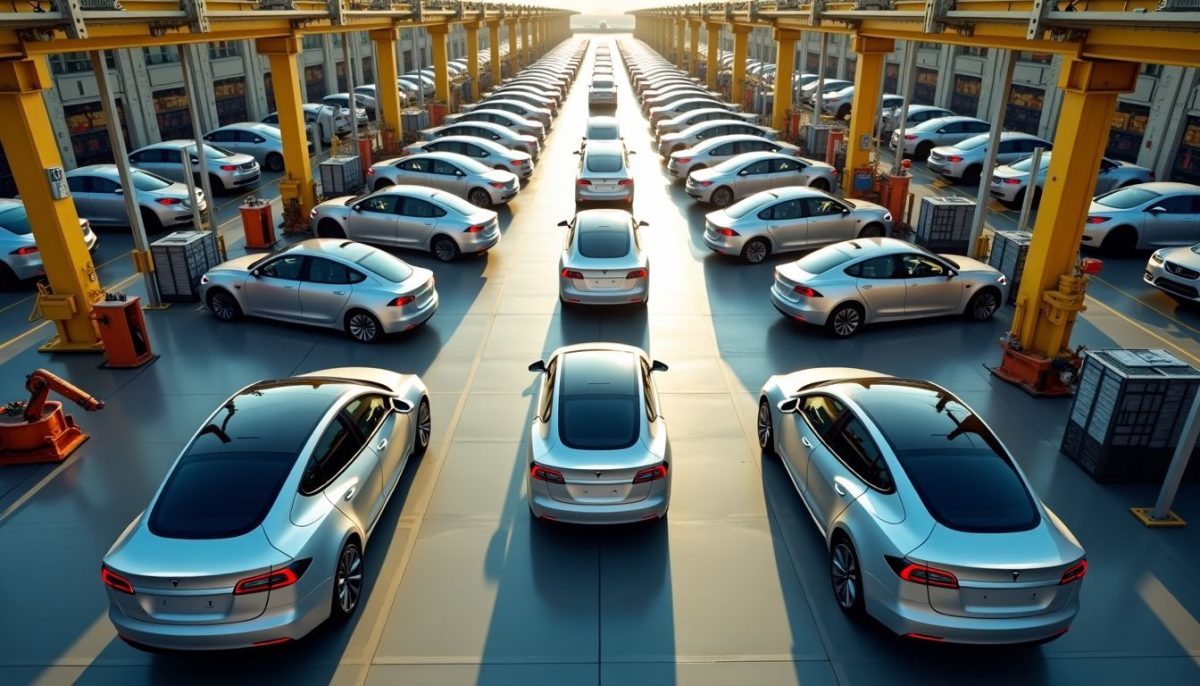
597 478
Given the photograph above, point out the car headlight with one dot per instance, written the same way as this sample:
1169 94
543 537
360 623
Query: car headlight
887 216
1157 257
1002 280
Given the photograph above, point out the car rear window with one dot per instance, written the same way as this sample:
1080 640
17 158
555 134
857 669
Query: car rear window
604 163
219 495
16 221
602 83
821 261
386 266
1125 198
145 181
598 400
456 203
960 470
748 204
1027 163
603 244
602 133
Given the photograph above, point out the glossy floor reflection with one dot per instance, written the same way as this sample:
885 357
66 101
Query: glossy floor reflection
464 589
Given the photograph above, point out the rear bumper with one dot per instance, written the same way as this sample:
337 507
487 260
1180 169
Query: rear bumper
653 507
801 311
908 617
411 320
636 294
623 195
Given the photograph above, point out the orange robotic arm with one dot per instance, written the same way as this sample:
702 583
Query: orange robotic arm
41 382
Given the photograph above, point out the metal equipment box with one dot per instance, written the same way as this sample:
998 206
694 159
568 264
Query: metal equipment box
413 120
1009 250
944 224
180 259
1128 414
341 175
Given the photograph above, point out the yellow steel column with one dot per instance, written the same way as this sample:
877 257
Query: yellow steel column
386 73
29 143
441 73
539 36
1091 88
296 189
514 48
710 58
494 45
694 47
741 33
864 107
526 40
785 62
472 29
681 45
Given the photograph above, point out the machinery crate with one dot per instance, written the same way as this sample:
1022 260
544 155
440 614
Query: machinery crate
341 175
180 259
944 224
1128 414
1009 250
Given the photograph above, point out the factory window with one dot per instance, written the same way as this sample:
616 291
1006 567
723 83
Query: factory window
1128 130
965 99
161 54
891 78
972 51
311 42
171 109
89 132
925 90
1187 159
1039 57
1024 110
314 83
1154 70
231 100
77 62
224 48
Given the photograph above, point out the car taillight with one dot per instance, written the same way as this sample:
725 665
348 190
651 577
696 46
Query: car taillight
115 581
637 274
953 158
495 184
228 167
583 182
806 291
546 474
370 171
280 578
1012 182
921 574
168 201
517 161
1075 572
401 301
25 250
727 232
625 182
474 228
909 137
683 160
658 471
1097 220
571 274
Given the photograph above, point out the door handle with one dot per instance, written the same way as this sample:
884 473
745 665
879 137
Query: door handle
867 287
382 444
804 441
339 292
772 227
350 493
841 490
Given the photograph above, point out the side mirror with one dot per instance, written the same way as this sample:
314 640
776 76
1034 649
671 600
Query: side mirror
950 274
195 160
538 366
459 172
657 366
790 406
118 190
256 273
576 152
744 172
633 152
1157 209
564 223
643 223
401 406
845 210
357 208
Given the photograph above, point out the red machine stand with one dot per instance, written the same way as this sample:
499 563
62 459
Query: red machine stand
257 223
123 332
39 431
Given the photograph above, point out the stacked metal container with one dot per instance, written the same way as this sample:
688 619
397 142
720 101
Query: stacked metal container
180 259
944 224
341 176
1009 250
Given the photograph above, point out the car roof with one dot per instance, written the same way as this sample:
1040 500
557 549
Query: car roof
408 189
337 247
174 144
1169 187
474 140
929 123
101 169
10 203
731 138
603 220
597 371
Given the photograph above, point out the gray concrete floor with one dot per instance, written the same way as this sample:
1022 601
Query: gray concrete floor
465 589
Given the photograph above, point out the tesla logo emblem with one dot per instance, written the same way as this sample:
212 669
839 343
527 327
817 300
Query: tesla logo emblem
598 474
1016 575
175 583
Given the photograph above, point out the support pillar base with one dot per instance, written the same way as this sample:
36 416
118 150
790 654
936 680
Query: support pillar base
59 345
1145 515
1037 375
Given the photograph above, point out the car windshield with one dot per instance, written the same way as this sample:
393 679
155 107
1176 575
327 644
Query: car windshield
603 243
960 470
821 261
145 181
15 220
602 133
972 143
268 131
1027 163
1126 198
598 400
604 162
386 266
455 203
747 205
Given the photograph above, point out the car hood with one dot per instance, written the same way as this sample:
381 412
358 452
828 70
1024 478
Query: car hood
970 264
1182 255
239 264
864 205
334 204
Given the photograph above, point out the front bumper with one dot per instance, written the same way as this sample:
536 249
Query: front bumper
1157 275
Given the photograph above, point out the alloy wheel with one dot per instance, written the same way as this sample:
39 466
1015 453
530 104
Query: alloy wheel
223 306
764 426
424 425
986 305
846 321
755 251
843 569
444 249
363 327
349 579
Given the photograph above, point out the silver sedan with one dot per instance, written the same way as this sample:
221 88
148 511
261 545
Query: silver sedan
1147 215
757 171
410 217
483 151
263 142
598 448
789 219
713 151
604 174
602 261
846 285
488 132
514 121
921 139
336 284
1010 180
694 117
258 533
163 204
931 527
20 258
674 142
479 184
227 170
674 109
964 160
1176 272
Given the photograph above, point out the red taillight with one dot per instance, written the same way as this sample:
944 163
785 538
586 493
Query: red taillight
924 637
25 250
517 161
271 642
401 301
806 291
658 471
1075 572
954 158
921 574
727 232
474 228
1097 220
583 182
545 474
683 160
269 581
909 137
1012 182
495 184
173 201
571 274
625 182
637 274
228 167
115 581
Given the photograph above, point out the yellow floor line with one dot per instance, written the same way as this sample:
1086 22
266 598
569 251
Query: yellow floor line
1168 342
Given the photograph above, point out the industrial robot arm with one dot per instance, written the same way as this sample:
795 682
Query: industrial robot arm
41 382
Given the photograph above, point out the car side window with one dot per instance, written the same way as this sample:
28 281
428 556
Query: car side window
102 185
860 453
79 184
759 167
378 203
367 413
336 448
548 390
419 166
1107 165
444 168
918 266
782 211
821 412
875 268
415 207
1007 147
977 127
723 149
286 267
822 207
321 270
1179 204
648 391
782 165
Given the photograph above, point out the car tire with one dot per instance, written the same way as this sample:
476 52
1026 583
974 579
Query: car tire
971 174
444 248
843 111
8 278
152 223
923 150
983 305
820 184
363 326
424 428
721 197
766 429
871 231
274 162
756 250
845 321
215 183
347 581
328 228
479 198
223 305
845 576
1120 241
